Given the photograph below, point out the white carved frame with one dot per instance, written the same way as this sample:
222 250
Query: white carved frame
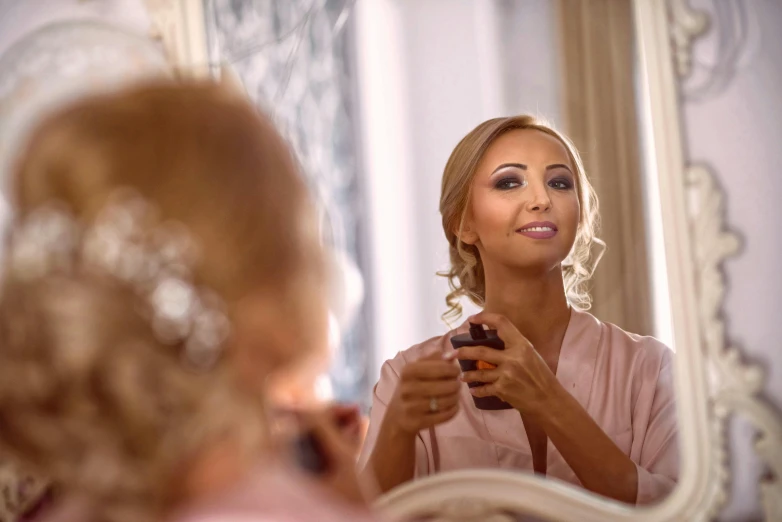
711 380
181 26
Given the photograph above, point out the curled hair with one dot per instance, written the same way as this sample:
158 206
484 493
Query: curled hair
466 275
111 413
90 396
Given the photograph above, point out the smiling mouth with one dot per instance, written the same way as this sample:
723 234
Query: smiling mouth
537 229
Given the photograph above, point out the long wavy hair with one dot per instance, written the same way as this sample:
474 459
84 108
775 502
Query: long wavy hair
466 275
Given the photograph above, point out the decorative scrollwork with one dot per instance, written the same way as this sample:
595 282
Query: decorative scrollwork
179 26
735 385
165 18
686 24
736 37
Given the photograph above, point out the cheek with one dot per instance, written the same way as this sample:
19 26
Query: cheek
492 215
305 316
281 332
570 219
571 210
308 352
312 324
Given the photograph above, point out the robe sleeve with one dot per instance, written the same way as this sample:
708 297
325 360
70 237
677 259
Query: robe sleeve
655 434
383 392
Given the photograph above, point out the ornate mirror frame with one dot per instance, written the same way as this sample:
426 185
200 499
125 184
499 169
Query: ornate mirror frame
712 381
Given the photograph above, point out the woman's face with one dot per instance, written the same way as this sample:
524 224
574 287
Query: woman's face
524 209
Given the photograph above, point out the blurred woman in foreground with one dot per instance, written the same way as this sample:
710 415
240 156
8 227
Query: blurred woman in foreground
163 267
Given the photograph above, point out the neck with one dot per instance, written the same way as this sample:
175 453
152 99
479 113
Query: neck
534 303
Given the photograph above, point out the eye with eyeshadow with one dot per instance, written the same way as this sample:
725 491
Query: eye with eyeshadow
561 183
509 182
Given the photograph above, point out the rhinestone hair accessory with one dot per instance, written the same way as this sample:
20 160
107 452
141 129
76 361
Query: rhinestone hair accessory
127 244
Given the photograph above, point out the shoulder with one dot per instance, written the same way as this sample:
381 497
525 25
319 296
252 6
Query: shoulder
646 344
642 352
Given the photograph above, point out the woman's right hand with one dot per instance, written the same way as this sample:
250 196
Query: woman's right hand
427 393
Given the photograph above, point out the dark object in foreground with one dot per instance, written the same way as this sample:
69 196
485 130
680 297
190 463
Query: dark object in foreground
480 337
310 453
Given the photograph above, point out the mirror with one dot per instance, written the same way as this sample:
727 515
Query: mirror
375 97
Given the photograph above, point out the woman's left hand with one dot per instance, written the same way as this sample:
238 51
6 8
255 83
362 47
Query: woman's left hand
521 377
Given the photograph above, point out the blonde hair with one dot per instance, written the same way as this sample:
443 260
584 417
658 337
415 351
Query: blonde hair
466 275
89 396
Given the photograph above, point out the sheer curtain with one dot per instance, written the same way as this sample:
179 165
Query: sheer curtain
294 58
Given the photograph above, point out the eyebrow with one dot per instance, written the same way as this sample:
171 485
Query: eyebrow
559 166
505 165
524 167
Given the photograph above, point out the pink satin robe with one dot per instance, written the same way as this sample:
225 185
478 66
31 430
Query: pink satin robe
624 381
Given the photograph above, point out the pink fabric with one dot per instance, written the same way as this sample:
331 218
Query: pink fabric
624 381
277 495
273 494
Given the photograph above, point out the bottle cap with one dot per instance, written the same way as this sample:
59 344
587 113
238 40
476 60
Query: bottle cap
477 331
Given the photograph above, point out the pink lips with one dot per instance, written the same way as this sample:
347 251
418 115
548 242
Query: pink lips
538 230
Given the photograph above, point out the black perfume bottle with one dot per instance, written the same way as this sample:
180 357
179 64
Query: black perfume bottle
480 337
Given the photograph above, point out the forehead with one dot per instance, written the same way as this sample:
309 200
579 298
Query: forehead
527 146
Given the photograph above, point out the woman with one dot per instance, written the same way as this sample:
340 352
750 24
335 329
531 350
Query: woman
163 269
591 404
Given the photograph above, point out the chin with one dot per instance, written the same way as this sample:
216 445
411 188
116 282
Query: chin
540 265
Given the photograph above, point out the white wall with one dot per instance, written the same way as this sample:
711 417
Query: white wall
738 133
429 71
531 58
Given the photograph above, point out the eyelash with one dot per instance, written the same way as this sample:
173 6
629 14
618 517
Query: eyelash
557 184
566 184
504 183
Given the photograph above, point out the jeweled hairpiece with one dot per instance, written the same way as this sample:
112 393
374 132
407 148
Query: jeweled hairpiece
125 243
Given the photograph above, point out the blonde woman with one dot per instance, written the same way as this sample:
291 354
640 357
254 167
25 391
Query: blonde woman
587 402
163 267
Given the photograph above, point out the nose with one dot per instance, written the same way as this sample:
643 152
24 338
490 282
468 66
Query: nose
539 200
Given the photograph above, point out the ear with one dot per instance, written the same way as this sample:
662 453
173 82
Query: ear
467 234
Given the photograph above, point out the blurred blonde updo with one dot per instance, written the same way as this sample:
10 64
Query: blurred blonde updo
89 395
466 275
